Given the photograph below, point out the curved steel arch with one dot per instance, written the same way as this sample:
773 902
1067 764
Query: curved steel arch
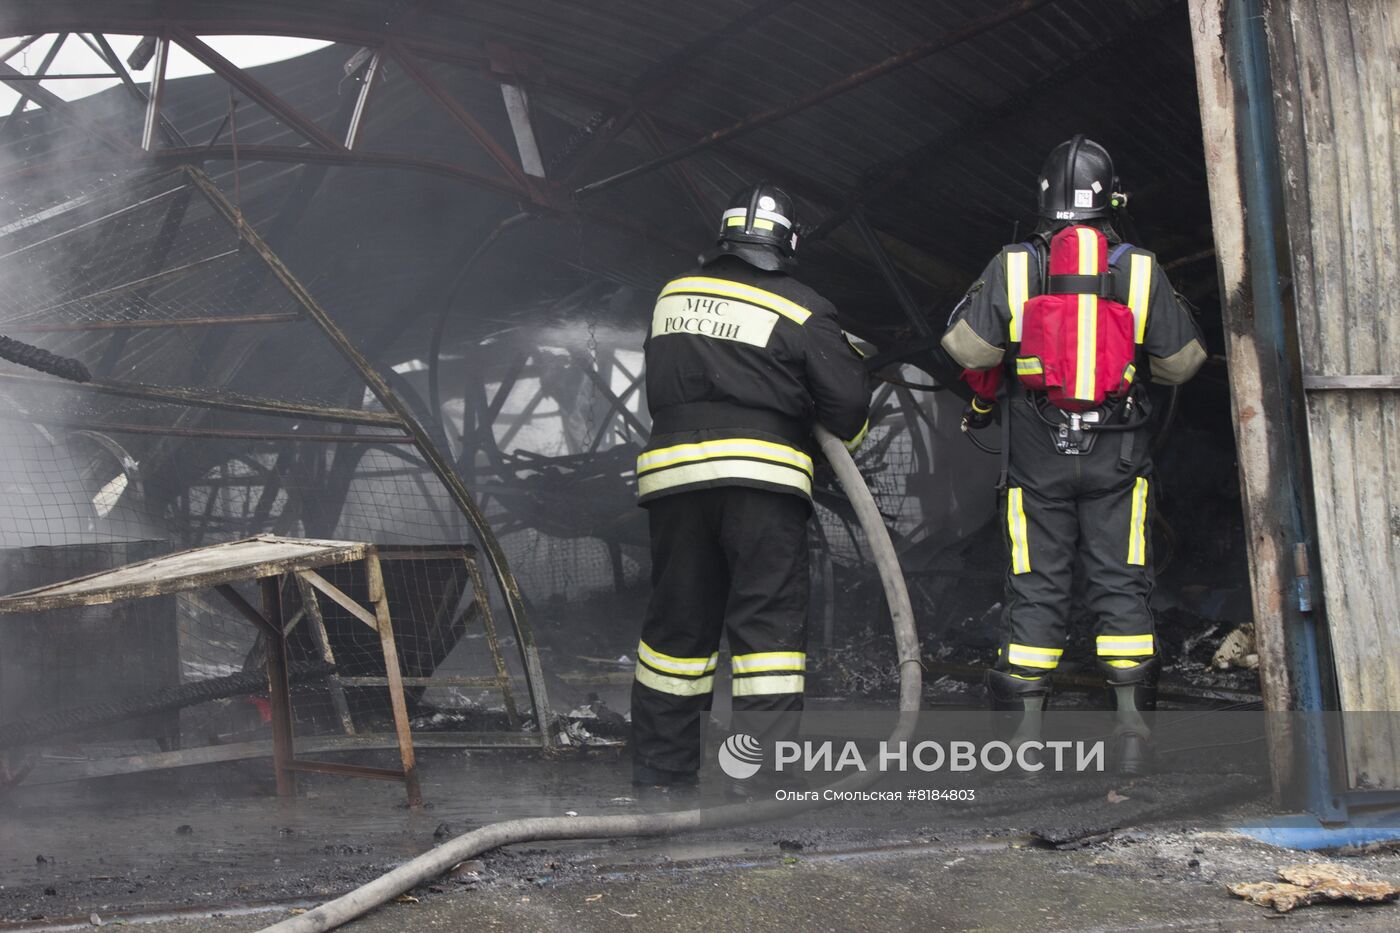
399 39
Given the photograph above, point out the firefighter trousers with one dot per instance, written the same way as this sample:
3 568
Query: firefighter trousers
729 560
1089 510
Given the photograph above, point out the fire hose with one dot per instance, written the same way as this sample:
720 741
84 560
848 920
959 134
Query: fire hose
436 862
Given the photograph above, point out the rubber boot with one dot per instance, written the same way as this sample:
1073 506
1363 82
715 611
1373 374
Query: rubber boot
1009 695
1133 691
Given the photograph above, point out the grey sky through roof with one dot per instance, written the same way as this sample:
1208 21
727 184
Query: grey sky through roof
75 58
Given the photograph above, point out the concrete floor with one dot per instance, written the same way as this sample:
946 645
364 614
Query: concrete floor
204 852
1144 882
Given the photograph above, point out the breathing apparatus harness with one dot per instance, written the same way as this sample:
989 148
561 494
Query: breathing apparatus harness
1074 427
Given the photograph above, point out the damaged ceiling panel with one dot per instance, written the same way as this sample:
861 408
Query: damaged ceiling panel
934 116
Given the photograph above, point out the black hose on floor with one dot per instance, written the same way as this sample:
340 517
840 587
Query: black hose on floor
437 861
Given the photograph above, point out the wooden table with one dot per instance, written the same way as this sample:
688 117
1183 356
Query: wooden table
266 559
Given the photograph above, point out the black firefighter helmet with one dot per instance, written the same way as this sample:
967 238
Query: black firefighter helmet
759 227
1077 182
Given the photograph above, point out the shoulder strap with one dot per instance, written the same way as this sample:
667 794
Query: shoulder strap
1039 247
1134 285
1018 280
1018 287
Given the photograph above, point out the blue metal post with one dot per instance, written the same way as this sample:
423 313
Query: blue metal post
1247 48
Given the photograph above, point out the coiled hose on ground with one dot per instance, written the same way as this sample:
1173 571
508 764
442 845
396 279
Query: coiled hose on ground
431 864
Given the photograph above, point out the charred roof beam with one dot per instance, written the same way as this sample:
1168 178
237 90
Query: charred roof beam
99 44
302 154
255 90
420 74
153 118
367 82
574 88
20 46
16 80
60 108
513 71
308 155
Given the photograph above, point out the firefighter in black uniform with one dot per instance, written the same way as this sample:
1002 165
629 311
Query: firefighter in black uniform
1076 486
741 360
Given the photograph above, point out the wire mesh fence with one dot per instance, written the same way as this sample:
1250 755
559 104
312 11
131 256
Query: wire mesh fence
219 408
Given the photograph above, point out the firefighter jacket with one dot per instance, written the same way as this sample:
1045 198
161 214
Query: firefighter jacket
987 323
740 363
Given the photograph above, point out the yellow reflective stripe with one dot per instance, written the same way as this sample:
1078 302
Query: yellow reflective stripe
1016 525
1121 663
1139 290
727 289
1013 648
760 224
1030 656
1048 664
1137 525
1086 371
729 447
1125 645
855 442
769 661
1018 288
1029 366
719 470
676 686
769 683
737 221
674 665
1129 373
1033 678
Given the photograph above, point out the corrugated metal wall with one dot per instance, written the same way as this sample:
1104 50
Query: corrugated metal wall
1336 73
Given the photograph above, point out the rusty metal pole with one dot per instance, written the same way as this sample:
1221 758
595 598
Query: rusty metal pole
488 626
357 118
224 401
152 124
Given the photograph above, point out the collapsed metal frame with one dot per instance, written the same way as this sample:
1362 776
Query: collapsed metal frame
395 43
432 455
397 414
477 433
555 197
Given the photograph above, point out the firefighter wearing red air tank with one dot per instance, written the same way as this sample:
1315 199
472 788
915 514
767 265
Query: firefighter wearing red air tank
1057 337
741 360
